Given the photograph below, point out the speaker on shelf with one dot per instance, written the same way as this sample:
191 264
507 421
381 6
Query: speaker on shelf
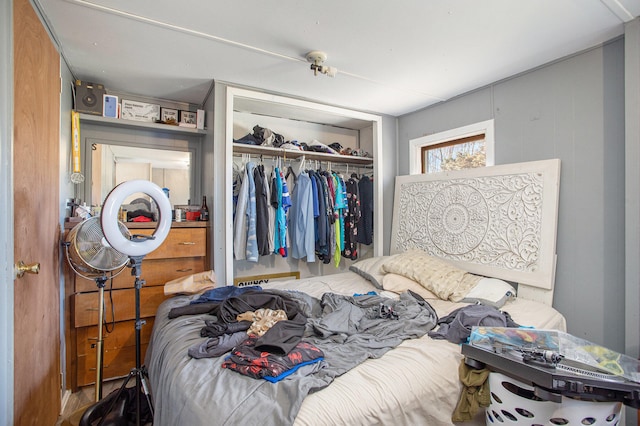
89 97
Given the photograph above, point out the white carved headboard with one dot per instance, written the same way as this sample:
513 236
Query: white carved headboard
497 221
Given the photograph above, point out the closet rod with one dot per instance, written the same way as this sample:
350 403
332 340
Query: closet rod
338 161
290 154
330 165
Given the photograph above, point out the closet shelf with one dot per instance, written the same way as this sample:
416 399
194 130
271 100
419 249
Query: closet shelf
240 148
118 122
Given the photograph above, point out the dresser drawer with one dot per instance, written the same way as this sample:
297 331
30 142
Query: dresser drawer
154 272
119 350
181 242
86 305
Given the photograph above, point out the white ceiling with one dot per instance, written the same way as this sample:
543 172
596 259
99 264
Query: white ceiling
393 57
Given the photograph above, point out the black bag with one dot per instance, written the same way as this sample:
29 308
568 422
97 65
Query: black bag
114 410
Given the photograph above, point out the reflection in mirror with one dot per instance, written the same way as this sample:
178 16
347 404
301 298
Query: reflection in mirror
114 164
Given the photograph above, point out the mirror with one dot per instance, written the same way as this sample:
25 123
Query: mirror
113 164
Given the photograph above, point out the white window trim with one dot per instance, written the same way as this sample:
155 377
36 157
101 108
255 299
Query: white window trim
415 145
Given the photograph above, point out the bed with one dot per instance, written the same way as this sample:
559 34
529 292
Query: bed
486 229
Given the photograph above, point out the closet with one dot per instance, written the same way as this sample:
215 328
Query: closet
236 112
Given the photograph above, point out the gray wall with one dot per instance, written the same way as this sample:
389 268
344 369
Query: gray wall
632 185
573 110
388 175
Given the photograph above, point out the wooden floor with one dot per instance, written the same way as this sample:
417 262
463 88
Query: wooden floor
79 401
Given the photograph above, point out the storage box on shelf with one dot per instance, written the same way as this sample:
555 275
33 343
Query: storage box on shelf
184 252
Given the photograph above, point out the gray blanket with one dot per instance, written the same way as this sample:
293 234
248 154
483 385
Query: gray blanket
347 329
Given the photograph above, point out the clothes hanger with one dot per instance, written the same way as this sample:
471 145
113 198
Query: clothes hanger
290 172
301 165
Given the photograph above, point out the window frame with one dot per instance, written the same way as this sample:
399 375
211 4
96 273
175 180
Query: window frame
417 146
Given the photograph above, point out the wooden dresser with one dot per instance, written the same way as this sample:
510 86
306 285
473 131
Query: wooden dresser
184 252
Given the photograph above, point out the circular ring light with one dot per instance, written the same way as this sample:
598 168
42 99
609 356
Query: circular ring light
109 217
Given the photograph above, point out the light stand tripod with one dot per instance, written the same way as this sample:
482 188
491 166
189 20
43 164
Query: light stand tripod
100 282
139 372
136 248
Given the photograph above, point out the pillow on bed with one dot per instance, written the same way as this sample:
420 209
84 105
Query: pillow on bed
491 292
191 284
399 284
443 279
370 269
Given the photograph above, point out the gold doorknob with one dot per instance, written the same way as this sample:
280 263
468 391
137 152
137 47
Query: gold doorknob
21 268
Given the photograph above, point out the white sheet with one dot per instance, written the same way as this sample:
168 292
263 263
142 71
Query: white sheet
415 383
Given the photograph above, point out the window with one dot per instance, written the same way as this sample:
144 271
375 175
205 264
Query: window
462 148
456 154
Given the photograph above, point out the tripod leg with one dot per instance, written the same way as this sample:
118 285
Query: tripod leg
145 389
99 345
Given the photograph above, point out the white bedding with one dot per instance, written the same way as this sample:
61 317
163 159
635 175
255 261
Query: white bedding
415 383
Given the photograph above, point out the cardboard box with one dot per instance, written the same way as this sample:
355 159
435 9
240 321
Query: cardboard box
139 111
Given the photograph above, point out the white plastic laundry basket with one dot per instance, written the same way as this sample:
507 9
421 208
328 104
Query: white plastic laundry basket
513 402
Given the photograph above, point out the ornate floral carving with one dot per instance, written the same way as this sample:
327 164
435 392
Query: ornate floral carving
493 221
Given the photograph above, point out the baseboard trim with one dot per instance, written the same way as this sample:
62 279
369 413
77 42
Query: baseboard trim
65 399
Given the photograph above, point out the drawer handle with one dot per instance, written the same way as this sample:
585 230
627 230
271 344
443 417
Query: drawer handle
94 368
184 270
187 243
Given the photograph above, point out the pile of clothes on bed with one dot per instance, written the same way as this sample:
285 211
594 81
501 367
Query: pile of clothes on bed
270 334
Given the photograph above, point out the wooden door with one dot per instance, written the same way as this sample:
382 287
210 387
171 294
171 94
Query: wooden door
36 164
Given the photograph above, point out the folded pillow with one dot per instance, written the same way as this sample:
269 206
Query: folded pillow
491 292
191 284
399 284
443 279
370 269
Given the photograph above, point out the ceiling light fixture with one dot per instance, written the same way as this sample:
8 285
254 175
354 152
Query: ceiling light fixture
317 58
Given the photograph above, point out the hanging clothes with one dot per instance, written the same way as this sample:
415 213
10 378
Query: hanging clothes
240 223
280 198
286 204
271 220
324 217
351 219
365 225
262 211
321 221
301 220
252 243
331 215
340 206
237 182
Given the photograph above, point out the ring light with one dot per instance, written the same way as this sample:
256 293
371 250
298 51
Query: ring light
109 218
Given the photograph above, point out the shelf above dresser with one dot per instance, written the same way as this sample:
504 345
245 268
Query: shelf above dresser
118 122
